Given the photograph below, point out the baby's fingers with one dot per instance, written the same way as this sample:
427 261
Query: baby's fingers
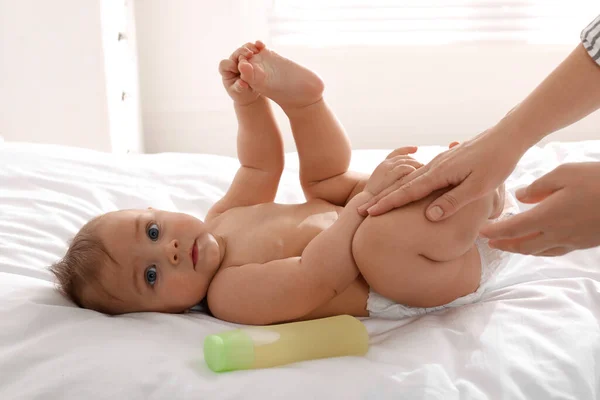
402 151
406 160
228 69
399 172
240 86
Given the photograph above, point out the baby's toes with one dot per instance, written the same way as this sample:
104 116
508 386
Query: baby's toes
252 47
259 45
246 70
241 52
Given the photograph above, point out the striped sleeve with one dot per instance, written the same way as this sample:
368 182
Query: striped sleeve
590 37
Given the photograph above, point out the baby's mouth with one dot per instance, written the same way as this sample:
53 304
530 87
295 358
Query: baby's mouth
194 254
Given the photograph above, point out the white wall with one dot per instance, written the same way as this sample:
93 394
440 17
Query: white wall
180 43
385 97
61 78
62 73
41 95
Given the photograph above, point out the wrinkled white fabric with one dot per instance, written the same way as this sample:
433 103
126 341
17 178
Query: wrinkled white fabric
534 334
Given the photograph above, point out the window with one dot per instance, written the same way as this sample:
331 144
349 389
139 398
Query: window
422 22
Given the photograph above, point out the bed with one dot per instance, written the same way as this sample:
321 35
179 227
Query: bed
534 335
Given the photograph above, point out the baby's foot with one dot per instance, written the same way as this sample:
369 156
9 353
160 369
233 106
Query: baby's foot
498 203
236 88
285 82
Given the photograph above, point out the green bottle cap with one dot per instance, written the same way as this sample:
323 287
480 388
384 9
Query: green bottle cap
229 351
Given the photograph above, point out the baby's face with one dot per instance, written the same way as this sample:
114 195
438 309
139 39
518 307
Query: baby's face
164 260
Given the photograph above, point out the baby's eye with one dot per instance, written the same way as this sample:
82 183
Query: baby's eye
153 232
151 275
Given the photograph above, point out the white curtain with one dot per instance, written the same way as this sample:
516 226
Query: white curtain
419 22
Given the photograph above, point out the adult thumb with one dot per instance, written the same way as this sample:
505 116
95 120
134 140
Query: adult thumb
450 202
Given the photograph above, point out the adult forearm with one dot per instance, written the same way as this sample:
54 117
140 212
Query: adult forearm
569 93
259 141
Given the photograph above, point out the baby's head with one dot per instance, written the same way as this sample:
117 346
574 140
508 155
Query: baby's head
140 260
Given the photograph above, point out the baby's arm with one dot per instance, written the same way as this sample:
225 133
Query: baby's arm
288 289
259 142
260 151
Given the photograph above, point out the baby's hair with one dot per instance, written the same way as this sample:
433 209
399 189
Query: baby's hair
81 265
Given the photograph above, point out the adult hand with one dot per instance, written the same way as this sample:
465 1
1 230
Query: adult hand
395 166
567 217
474 168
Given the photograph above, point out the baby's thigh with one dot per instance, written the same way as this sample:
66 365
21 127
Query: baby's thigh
390 252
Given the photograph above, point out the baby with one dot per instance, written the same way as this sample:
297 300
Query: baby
258 262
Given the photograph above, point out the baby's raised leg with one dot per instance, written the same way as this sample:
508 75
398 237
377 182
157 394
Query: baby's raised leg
408 259
323 147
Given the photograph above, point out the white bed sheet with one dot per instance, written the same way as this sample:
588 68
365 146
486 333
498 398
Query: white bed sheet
534 335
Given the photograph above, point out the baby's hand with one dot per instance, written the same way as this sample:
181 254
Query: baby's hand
397 165
238 89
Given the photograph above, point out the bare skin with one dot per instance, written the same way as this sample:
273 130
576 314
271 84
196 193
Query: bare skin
303 261
566 215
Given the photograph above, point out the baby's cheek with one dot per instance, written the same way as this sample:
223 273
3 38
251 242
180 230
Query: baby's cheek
187 289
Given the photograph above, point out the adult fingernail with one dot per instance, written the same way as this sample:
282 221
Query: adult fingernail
435 213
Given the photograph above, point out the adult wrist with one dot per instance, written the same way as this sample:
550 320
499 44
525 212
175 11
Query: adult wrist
515 134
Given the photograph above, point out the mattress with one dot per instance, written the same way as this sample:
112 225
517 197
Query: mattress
534 335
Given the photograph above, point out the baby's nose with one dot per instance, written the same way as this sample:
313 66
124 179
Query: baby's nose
173 252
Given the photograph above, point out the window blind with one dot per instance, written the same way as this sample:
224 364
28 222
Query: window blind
418 22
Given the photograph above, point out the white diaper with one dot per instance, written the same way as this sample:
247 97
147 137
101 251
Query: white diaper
491 260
